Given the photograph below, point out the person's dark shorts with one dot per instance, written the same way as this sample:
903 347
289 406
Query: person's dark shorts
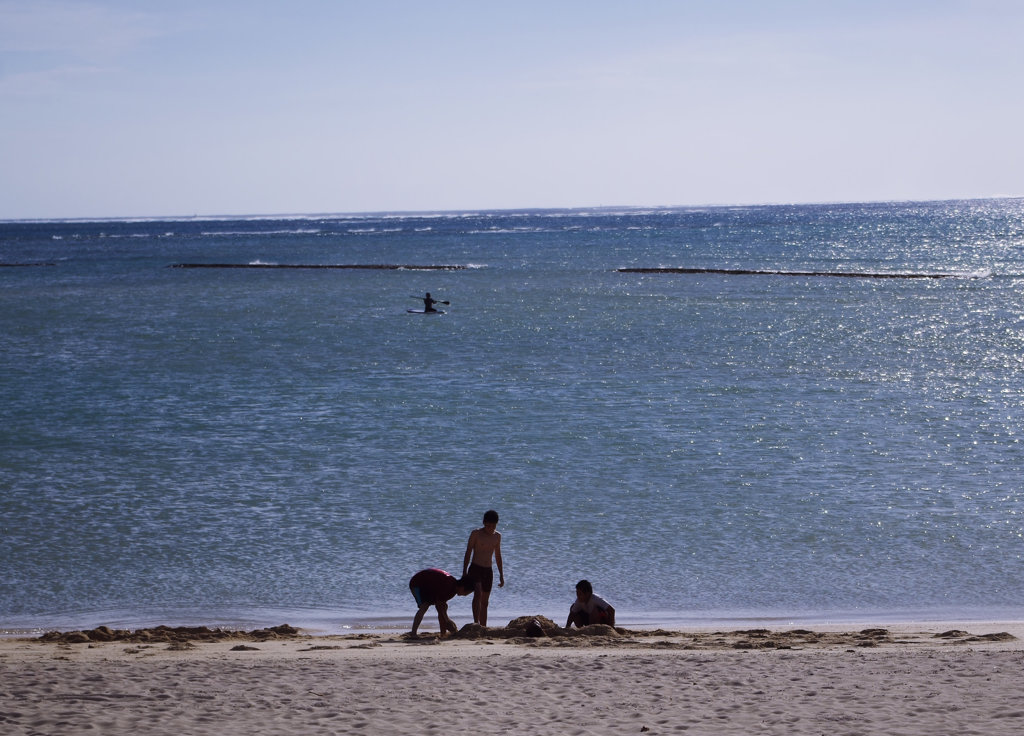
582 618
484 576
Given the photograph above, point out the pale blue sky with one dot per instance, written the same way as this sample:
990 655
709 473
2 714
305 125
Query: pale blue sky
116 108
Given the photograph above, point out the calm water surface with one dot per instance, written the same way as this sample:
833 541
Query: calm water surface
250 446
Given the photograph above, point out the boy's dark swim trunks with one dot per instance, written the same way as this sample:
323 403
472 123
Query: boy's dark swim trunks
482 575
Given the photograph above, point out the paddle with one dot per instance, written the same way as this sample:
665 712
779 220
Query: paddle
436 301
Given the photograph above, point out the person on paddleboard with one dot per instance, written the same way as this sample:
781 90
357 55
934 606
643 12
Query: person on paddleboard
428 305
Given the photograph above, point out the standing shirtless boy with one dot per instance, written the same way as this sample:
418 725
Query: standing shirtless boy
483 543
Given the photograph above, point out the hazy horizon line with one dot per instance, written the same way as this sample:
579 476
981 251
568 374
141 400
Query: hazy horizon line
469 211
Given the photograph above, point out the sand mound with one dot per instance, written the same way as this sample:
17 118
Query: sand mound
167 634
535 627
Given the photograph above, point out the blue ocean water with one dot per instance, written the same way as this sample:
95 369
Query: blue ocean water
253 446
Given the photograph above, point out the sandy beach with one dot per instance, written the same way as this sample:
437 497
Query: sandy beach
883 680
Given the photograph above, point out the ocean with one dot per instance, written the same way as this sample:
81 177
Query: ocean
765 437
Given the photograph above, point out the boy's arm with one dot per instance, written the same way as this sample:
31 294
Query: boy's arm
469 553
572 610
497 560
442 619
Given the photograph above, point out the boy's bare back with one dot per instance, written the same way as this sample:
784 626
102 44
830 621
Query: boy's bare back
482 544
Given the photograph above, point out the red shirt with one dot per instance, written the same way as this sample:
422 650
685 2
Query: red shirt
432 586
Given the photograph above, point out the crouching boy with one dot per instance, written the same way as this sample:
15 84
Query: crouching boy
589 608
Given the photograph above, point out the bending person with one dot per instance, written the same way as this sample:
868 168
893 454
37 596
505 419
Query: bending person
433 587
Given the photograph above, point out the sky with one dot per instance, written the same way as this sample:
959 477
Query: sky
137 108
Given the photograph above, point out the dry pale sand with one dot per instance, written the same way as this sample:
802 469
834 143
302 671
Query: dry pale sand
899 680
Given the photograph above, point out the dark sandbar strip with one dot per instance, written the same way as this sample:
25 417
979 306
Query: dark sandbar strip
23 265
837 274
377 266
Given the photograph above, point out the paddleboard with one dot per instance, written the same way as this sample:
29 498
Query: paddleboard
421 311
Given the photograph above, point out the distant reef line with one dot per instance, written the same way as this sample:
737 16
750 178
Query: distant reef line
368 266
835 274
